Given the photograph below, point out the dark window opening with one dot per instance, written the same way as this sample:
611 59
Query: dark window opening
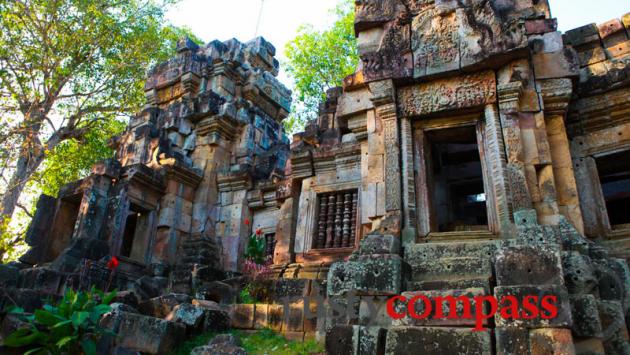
614 176
336 220
457 187
65 221
270 244
130 232
133 233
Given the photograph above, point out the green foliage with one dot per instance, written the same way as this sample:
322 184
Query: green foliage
318 61
73 159
245 295
70 72
69 327
255 250
263 342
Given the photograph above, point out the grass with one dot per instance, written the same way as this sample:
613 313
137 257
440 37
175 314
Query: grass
263 342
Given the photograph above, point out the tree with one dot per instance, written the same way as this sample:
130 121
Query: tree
69 70
318 61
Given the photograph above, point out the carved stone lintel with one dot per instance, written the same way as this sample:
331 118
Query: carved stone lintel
466 91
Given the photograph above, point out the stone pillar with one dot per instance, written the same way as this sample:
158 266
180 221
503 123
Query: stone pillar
408 182
510 95
589 191
496 162
283 253
385 108
556 95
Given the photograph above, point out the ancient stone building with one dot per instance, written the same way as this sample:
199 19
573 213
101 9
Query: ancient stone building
475 151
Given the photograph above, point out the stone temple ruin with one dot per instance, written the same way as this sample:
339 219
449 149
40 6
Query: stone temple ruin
475 151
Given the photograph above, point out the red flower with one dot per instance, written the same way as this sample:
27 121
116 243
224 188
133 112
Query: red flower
112 263
247 221
258 231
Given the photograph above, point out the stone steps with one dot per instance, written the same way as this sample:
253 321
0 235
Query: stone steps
451 266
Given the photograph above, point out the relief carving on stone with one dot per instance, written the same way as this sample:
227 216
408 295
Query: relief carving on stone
392 167
448 94
435 42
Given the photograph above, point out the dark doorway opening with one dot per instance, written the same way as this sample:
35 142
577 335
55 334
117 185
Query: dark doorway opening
134 235
65 222
614 176
456 180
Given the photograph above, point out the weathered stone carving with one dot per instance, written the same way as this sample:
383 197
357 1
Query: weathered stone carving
448 94
457 107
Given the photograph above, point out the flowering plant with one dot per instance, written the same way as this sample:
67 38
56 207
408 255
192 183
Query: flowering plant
255 268
255 250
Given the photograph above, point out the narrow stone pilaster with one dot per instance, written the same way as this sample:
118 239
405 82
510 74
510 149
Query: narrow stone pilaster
497 165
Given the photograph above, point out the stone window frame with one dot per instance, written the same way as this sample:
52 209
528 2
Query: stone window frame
150 233
424 217
609 231
311 254
357 219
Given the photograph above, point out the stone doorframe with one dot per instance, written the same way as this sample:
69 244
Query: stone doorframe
146 238
490 143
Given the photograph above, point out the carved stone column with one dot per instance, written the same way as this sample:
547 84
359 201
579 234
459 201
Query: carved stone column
385 107
556 94
510 95
496 163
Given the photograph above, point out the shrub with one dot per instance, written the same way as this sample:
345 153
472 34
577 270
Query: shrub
71 326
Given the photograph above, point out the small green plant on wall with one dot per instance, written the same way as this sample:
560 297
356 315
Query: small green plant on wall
71 326
255 268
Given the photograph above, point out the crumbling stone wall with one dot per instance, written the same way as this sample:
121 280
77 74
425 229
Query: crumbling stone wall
350 205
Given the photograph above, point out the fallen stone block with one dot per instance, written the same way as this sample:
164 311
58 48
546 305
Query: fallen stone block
161 306
187 314
143 333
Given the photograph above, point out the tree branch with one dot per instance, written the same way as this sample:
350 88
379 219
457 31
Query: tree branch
20 206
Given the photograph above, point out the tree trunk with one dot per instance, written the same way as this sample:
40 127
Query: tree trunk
26 165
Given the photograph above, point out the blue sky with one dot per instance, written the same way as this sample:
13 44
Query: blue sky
224 19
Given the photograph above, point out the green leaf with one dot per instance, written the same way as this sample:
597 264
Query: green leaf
79 318
65 341
89 347
98 311
34 351
109 297
47 318
61 324
22 337
15 310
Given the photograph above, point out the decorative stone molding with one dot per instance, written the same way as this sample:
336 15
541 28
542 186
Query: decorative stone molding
510 96
217 128
466 91
556 95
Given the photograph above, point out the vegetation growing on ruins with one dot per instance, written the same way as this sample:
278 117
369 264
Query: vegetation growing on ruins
70 72
70 326
265 342
318 61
